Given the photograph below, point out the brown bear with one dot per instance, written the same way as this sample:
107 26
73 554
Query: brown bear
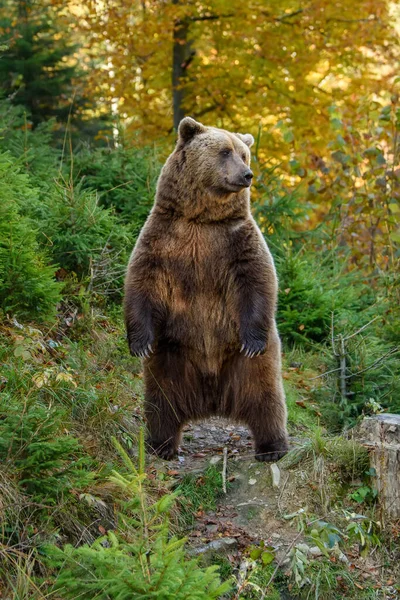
200 298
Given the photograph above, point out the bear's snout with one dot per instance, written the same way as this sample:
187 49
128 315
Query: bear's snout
248 176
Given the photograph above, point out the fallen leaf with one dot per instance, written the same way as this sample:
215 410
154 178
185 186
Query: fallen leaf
301 403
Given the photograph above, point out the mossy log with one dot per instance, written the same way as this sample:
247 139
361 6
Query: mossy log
381 434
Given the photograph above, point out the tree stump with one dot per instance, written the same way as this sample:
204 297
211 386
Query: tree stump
381 434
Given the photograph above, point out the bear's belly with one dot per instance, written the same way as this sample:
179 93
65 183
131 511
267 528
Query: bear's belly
203 326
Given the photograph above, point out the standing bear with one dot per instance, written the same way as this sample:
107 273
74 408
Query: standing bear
200 298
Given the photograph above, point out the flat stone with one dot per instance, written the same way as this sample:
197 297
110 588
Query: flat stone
315 551
212 528
223 545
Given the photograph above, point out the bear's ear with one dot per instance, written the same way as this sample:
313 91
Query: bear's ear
188 128
247 138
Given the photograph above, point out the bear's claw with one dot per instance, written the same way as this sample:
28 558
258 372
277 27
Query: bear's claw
253 348
165 450
271 452
139 351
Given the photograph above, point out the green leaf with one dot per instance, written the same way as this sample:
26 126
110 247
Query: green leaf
268 556
255 553
336 123
288 137
340 157
395 236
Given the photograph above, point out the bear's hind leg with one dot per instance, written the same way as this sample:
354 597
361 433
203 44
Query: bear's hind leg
164 421
266 417
258 399
164 426
168 401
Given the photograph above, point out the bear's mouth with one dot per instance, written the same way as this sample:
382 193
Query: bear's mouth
236 186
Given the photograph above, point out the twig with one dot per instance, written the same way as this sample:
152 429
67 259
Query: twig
360 330
326 373
224 465
333 336
378 360
343 367
281 494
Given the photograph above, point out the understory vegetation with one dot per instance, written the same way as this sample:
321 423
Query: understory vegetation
83 515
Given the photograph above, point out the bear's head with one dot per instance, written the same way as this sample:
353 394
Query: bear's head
217 160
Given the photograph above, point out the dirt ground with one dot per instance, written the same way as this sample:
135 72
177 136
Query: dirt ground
253 508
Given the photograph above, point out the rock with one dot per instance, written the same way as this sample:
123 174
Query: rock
315 551
252 481
303 548
221 546
276 475
275 535
212 528
215 459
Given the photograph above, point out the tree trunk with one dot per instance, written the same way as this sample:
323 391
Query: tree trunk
381 434
178 70
182 56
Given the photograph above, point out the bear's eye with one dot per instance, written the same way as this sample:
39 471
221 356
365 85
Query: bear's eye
244 157
226 152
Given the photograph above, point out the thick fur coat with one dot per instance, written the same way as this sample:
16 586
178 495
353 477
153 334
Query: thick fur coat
200 298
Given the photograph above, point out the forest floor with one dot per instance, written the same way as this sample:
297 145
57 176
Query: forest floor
299 529
269 507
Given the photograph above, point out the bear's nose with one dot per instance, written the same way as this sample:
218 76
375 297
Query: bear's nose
248 175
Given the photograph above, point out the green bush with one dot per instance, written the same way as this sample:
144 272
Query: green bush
124 177
80 231
27 285
31 148
139 560
372 381
47 462
279 211
310 290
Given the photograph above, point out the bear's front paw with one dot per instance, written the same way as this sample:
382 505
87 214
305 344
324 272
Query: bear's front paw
253 347
141 347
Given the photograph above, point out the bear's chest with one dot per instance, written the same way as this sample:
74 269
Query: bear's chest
196 261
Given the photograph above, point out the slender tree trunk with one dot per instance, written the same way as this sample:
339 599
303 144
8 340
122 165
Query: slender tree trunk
179 60
182 55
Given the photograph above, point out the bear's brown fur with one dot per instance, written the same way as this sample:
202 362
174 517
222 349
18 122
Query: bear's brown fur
200 298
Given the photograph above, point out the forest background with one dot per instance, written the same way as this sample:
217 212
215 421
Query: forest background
90 97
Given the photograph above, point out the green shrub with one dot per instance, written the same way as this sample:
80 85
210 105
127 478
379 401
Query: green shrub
27 285
139 560
279 211
124 177
310 290
79 229
47 462
372 381
32 148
